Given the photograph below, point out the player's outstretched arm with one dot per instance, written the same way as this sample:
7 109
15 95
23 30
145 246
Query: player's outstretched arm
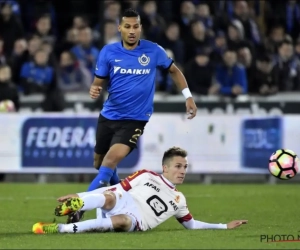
236 223
182 85
195 224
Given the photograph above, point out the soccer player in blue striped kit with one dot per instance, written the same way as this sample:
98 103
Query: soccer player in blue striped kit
130 67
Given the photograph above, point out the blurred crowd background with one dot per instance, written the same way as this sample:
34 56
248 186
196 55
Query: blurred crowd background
227 48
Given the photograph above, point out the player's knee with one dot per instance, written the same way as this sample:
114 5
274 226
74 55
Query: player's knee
116 154
110 200
121 223
113 159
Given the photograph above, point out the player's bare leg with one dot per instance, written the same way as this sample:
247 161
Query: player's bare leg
116 153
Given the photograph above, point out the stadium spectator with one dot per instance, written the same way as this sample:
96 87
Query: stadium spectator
111 12
71 75
223 12
80 21
110 32
287 15
48 48
198 41
134 4
287 67
8 90
219 47
37 76
15 7
187 15
265 81
246 59
11 28
199 73
33 10
69 41
272 40
153 23
18 57
85 51
242 13
230 76
43 29
171 40
236 37
203 14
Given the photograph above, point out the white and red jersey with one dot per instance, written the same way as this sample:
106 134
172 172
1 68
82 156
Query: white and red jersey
156 198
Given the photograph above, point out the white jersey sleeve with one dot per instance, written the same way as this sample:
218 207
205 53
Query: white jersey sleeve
186 219
183 214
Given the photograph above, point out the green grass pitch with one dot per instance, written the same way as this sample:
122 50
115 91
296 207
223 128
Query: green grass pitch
271 210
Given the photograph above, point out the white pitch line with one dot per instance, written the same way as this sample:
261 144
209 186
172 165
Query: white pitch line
40 198
199 196
10 198
6 199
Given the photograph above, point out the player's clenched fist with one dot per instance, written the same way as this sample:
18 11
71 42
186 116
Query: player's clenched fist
191 108
95 91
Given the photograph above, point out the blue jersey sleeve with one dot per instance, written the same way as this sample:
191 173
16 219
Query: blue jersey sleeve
162 58
102 66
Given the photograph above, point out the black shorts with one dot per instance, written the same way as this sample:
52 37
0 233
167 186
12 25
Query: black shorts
110 132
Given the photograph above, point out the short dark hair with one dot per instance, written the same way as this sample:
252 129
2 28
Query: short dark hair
171 152
48 16
229 50
71 54
109 21
286 41
129 13
265 57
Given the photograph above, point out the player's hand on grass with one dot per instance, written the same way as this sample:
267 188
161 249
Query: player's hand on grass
191 108
64 198
95 91
236 223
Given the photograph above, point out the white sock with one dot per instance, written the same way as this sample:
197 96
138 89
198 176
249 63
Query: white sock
100 213
92 201
99 225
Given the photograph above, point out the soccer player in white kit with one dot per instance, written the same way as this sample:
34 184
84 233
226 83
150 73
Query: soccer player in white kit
141 202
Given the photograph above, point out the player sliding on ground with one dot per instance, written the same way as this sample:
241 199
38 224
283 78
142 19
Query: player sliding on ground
141 202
